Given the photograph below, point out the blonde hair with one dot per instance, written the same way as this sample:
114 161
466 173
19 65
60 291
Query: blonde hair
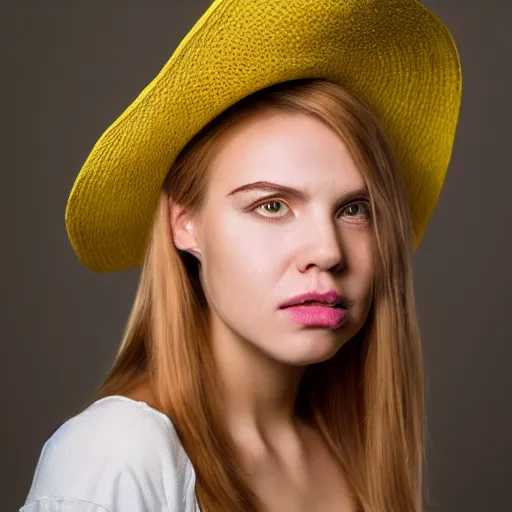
367 400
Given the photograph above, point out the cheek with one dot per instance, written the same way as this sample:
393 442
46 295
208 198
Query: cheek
240 261
365 284
361 270
366 273
359 253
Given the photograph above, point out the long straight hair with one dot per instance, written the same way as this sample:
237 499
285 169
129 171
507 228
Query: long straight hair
366 401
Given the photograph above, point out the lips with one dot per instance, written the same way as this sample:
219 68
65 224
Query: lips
317 309
331 298
315 303
317 315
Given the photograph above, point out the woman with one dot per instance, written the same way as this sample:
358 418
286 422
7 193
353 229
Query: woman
273 181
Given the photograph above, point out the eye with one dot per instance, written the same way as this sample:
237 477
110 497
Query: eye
274 210
271 209
354 210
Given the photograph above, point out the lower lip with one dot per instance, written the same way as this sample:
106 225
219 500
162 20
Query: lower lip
317 316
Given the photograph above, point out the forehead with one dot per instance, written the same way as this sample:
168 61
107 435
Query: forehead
294 149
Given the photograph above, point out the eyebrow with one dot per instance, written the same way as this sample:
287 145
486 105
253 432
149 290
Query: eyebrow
268 186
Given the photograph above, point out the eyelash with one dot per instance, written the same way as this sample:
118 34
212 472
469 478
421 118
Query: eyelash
364 202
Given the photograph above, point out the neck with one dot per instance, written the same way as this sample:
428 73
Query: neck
258 392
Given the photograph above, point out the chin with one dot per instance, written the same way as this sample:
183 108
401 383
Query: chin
310 350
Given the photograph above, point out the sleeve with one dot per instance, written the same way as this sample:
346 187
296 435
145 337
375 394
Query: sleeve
113 457
61 505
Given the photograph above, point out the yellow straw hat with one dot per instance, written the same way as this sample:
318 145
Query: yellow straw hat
394 54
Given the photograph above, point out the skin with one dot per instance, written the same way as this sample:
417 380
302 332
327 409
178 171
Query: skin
257 249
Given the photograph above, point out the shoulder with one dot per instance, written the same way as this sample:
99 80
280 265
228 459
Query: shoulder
118 427
116 452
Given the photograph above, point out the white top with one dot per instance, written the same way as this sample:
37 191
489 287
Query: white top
118 455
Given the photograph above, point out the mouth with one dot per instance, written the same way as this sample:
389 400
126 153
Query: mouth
328 299
316 303
317 314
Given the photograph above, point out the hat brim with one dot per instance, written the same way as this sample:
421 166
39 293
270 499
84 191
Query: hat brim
395 55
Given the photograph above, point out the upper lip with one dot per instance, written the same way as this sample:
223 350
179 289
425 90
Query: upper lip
331 298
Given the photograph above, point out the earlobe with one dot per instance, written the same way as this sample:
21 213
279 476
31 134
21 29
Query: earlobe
196 252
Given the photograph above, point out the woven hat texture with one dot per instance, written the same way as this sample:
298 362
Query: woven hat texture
396 55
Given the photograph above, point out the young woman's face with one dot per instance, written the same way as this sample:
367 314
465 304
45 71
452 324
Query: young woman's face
261 247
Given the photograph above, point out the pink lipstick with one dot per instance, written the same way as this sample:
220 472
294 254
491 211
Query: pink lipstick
316 309
317 315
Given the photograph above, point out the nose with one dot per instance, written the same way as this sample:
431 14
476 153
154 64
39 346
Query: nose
321 247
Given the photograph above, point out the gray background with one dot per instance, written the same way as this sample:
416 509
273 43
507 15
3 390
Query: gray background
70 68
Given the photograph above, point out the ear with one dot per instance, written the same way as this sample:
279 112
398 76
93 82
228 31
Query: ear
183 229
